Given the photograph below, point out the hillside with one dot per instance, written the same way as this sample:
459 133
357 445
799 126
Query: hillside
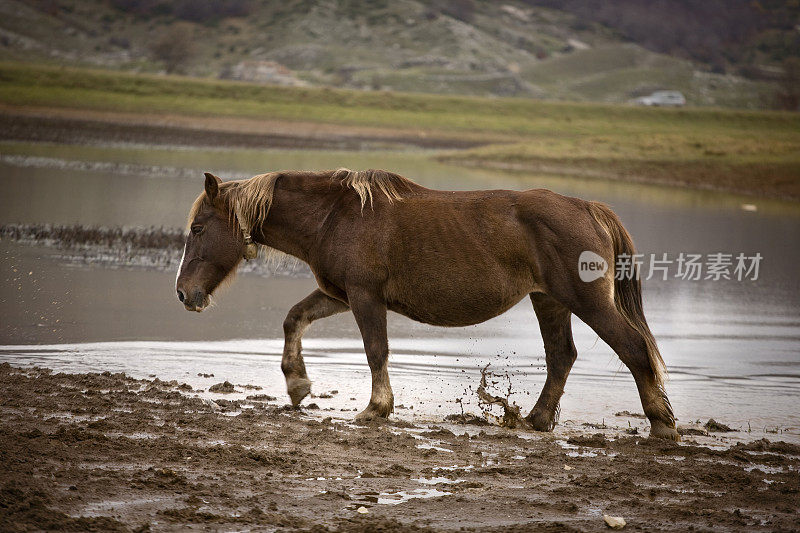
451 46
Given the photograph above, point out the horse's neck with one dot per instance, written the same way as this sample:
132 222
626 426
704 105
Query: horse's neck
295 218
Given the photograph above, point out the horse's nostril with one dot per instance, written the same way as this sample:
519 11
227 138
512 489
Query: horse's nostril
181 296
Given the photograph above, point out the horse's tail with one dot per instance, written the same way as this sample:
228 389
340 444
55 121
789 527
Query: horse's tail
628 287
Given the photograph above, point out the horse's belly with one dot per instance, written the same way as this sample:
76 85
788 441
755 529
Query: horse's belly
443 307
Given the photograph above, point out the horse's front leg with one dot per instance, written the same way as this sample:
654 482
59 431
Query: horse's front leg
370 314
313 307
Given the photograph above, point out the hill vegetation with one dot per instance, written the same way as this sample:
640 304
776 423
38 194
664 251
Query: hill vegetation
579 51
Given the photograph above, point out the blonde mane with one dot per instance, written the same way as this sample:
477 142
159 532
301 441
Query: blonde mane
249 200
363 181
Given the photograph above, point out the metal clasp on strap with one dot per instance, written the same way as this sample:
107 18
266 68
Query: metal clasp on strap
250 248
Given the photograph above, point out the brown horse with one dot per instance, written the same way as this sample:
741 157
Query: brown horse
376 241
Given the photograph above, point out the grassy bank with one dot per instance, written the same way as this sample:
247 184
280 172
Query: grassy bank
750 152
760 163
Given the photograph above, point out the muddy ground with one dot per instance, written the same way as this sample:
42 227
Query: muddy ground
69 126
108 452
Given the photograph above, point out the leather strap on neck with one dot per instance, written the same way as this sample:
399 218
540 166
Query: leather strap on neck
250 250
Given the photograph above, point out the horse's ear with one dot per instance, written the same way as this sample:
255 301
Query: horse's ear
212 185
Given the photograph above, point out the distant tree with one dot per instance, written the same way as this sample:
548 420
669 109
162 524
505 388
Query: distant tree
175 47
463 10
789 90
702 30
204 11
143 8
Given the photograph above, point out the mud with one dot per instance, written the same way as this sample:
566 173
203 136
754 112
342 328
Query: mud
512 418
108 452
73 127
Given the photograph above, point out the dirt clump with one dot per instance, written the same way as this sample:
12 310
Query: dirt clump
261 398
226 387
467 419
716 427
598 440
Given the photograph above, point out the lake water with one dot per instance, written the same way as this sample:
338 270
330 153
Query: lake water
732 347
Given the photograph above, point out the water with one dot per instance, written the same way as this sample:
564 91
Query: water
733 348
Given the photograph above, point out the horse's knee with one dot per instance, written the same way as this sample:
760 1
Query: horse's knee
292 322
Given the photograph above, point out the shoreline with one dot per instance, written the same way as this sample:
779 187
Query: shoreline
466 149
627 176
106 451
79 126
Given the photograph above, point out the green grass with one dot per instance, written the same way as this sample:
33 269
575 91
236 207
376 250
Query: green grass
115 91
761 150
618 72
758 166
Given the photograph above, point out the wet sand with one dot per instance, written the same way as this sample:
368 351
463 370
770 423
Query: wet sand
109 452
71 126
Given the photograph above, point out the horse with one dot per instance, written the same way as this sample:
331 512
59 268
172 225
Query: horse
376 241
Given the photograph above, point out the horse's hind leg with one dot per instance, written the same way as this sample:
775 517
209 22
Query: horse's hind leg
560 354
631 347
313 307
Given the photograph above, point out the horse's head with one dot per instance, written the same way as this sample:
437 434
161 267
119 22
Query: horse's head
214 247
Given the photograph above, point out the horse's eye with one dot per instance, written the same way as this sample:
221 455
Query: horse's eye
197 230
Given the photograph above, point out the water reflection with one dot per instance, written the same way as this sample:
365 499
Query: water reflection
733 347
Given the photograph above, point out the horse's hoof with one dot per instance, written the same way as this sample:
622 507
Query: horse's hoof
373 412
540 421
298 389
659 430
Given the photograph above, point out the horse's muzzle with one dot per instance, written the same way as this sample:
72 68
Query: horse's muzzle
195 300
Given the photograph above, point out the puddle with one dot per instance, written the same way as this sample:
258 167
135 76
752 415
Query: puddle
786 455
431 446
395 498
136 435
437 480
465 468
104 506
573 450
767 469
489 459
216 442
573 453
576 451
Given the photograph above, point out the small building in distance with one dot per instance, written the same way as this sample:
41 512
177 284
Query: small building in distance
662 98
261 71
